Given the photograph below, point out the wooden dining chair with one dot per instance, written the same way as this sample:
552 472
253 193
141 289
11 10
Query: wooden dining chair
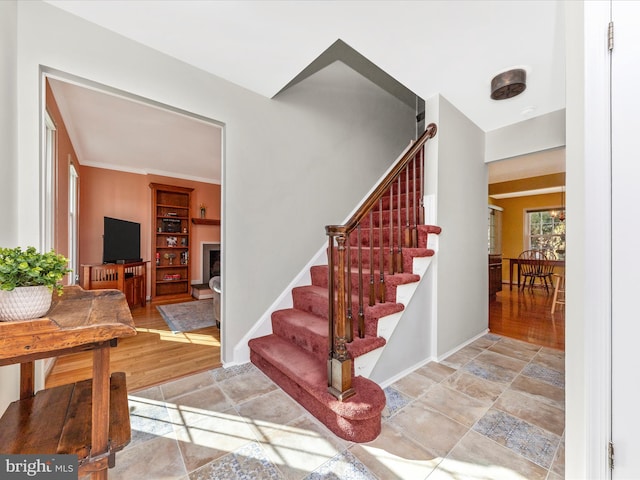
535 264
546 269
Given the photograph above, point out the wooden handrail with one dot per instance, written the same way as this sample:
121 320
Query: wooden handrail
384 185
340 258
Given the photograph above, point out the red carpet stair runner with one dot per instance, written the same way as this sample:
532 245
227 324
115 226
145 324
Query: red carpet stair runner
295 355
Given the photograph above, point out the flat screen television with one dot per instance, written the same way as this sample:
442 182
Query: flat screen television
121 241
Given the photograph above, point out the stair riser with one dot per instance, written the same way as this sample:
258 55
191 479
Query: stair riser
312 304
320 278
423 234
366 261
386 219
407 256
296 333
387 202
387 233
291 326
403 184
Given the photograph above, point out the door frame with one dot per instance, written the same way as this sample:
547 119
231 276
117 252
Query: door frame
588 288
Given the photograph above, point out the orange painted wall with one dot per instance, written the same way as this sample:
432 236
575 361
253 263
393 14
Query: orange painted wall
66 155
127 196
513 218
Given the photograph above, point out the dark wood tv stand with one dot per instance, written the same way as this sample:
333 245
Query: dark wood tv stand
129 278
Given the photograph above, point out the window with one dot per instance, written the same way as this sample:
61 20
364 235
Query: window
47 180
73 223
495 230
546 231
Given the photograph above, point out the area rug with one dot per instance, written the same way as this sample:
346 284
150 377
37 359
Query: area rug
188 316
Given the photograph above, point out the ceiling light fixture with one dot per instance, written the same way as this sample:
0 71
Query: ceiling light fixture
508 84
559 214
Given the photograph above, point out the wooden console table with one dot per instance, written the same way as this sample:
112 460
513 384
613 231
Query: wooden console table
129 278
89 418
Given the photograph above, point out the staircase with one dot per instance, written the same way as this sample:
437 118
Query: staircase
334 321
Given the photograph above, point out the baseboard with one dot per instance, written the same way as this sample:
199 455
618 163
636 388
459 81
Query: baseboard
405 372
462 345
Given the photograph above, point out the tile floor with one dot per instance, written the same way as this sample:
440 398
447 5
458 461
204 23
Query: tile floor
492 410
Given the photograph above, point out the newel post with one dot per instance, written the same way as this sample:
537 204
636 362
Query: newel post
339 363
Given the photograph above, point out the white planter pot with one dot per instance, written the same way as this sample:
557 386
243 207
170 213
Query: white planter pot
23 303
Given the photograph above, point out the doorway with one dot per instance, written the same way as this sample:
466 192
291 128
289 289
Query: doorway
531 203
117 144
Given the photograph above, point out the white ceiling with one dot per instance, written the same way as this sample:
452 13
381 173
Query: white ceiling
109 131
526 166
449 47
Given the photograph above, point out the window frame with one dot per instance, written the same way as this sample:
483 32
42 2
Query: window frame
529 236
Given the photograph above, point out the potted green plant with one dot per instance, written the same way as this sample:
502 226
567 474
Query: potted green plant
27 280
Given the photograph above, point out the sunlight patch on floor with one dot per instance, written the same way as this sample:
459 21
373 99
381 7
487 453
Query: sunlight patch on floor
402 467
451 469
188 337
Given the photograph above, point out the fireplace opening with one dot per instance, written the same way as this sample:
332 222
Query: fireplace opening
214 263
210 261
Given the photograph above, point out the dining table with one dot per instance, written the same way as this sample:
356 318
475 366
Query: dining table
518 262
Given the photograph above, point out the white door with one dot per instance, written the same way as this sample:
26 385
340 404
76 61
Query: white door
625 185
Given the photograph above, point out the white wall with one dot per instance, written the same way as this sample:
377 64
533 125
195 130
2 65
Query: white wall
533 135
279 183
8 160
8 148
461 263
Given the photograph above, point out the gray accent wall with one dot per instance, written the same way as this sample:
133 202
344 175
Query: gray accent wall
461 189
330 138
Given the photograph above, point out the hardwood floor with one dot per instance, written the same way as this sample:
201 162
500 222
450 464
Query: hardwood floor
153 356
526 315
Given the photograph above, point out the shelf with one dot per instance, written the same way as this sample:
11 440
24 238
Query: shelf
55 415
205 221
166 200
171 205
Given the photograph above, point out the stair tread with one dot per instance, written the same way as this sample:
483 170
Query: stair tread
390 279
413 251
376 311
311 374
